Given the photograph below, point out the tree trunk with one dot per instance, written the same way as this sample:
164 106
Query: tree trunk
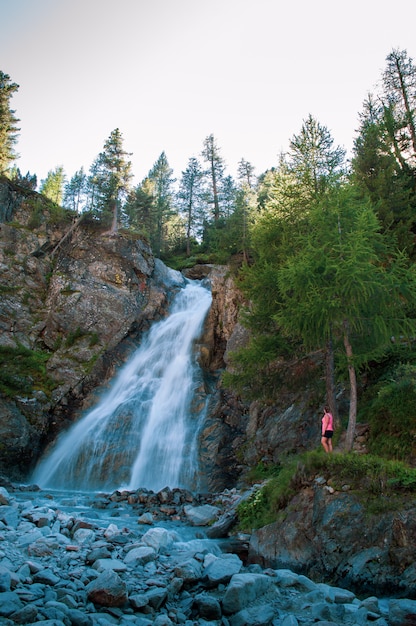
114 225
215 192
330 380
349 440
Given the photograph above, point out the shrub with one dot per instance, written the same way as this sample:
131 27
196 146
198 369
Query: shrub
380 484
22 370
392 416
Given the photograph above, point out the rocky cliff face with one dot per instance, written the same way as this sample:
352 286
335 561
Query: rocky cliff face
73 299
330 535
238 434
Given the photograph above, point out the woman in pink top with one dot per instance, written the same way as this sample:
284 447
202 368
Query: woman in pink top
327 430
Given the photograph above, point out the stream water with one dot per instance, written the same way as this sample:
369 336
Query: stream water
144 430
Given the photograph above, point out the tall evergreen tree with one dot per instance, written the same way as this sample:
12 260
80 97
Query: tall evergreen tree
399 81
161 175
190 200
75 191
245 173
313 159
215 173
318 166
110 179
343 279
139 208
53 185
380 171
8 122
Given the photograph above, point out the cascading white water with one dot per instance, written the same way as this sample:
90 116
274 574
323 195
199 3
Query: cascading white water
143 431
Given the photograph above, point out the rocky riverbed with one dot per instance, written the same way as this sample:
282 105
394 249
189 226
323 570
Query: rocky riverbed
140 558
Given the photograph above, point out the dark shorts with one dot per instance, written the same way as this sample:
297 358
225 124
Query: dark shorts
328 434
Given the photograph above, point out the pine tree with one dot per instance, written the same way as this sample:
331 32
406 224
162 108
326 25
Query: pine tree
215 173
53 185
345 281
8 121
75 191
138 210
161 177
190 200
110 179
377 170
245 173
399 81
313 159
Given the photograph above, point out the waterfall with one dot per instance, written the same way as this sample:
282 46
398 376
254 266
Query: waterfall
143 431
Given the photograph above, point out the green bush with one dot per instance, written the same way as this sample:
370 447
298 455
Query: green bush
379 483
392 416
23 370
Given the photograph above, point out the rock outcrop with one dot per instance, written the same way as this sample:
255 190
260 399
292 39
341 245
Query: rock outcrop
330 535
73 303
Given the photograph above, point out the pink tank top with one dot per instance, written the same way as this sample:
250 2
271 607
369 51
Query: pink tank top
330 425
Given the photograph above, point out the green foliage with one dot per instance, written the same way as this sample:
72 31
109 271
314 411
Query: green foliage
263 506
94 339
109 180
53 185
8 121
259 370
23 370
392 415
342 272
385 149
5 289
380 484
262 471
37 214
76 334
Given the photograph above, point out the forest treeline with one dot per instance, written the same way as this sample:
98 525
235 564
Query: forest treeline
325 246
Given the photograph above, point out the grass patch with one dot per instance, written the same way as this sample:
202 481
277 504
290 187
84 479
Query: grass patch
23 370
382 485
5 289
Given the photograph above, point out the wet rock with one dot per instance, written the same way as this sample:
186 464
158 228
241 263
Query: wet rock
157 538
207 607
262 615
189 571
201 515
219 570
402 612
243 589
107 590
146 518
9 603
140 556
173 581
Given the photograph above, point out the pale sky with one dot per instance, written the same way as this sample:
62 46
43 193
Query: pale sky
168 73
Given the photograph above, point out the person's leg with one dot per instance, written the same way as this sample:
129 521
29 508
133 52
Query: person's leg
329 443
324 442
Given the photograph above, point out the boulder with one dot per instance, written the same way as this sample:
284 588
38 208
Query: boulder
243 589
402 612
201 515
107 590
219 570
